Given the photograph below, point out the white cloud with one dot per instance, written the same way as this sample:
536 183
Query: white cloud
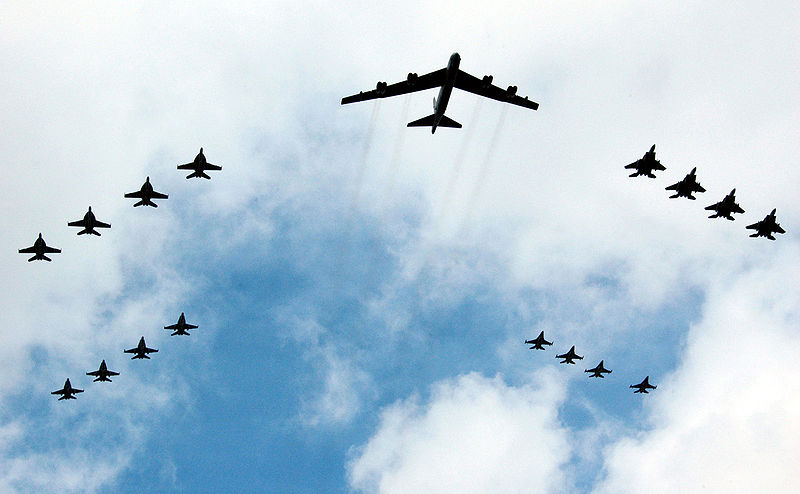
475 434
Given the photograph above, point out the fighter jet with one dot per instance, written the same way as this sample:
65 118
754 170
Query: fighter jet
39 249
199 165
102 373
181 326
146 194
446 79
726 207
646 164
598 371
141 350
643 386
570 356
765 227
89 223
67 392
687 186
538 342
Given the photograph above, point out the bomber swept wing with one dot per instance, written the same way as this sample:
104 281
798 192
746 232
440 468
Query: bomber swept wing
39 249
200 166
89 223
646 164
687 186
765 227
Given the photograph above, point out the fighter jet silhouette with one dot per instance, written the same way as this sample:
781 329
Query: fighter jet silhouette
67 392
102 373
598 371
39 249
89 223
146 194
765 227
181 326
570 356
538 342
726 207
141 350
643 386
686 187
646 164
447 78
199 165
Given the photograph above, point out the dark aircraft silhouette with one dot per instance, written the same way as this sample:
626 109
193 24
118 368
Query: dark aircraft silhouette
89 223
726 207
181 326
39 249
146 194
67 392
765 227
141 350
570 356
102 373
199 165
646 164
687 186
447 78
598 371
643 386
538 342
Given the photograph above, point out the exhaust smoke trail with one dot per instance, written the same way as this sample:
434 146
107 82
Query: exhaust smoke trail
398 148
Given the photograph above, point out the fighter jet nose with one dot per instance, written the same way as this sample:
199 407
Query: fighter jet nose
147 179
40 235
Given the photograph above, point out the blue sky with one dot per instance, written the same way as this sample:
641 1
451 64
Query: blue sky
362 289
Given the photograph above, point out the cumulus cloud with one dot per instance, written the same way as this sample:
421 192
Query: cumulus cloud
474 434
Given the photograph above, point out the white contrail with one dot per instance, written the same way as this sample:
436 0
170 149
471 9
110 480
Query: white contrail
398 149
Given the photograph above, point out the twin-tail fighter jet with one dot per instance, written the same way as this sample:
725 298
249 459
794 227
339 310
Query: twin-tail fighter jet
643 386
39 249
199 165
146 194
181 326
570 356
687 186
646 164
89 223
598 371
765 227
141 350
538 342
102 373
446 79
726 207
67 392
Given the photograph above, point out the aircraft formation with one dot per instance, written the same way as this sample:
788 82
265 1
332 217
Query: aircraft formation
689 186
570 356
146 194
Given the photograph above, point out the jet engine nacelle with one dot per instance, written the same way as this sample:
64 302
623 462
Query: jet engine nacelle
511 91
412 78
381 87
486 82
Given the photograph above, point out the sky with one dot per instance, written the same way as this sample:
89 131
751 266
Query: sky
363 289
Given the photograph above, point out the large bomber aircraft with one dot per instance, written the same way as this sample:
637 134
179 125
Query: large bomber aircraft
199 165
446 79
570 356
39 249
67 392
146 194
726 207
765 227
102 373
89 223
598 371
687 186
181 326
643 386
646 164
538 342
141 350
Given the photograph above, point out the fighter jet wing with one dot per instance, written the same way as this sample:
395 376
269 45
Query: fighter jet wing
193 166
51 250
484 87
137 195
412 84
697 187
80 223
31 250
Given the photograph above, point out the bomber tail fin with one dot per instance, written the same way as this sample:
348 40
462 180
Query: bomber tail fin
429 120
